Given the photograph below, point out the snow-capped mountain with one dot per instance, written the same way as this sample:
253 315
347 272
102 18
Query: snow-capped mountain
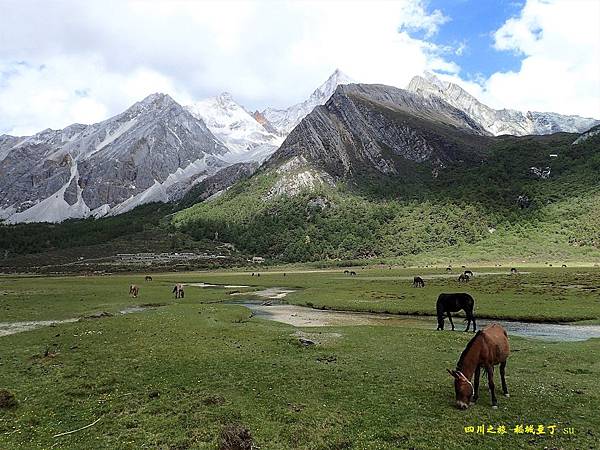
154 151
285 120
498 122
246 139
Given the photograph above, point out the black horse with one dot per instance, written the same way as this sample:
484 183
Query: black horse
418 282
447 303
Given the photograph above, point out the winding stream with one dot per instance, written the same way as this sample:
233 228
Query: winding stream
302 316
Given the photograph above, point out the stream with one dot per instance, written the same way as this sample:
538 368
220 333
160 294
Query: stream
303 316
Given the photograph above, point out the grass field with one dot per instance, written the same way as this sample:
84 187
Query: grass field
173 376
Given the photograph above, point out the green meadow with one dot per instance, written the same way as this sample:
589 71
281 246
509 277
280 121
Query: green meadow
174 375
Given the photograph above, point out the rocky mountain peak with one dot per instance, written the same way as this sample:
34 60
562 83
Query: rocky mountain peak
497 122
284 120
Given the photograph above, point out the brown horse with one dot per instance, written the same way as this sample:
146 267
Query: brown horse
463 278
148 278
489 347
134 290
178 291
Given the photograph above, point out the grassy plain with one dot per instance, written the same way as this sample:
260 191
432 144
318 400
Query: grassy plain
173 376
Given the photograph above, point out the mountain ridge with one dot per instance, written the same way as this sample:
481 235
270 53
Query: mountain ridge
498 122
285 120
149 152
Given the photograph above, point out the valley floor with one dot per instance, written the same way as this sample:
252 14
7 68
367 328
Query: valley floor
156 372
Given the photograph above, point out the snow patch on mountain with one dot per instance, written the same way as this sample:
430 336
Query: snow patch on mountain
55 208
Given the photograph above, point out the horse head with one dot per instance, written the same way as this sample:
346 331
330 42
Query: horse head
463 389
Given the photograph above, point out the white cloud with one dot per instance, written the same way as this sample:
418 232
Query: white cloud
65 62
560 72
263 52
66 90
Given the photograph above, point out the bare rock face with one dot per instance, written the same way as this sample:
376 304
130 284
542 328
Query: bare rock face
366 128
154 151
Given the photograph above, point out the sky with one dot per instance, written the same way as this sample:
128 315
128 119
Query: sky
63 62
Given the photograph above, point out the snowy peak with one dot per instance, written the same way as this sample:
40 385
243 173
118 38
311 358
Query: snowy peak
326 90
285 120
498 122
245 138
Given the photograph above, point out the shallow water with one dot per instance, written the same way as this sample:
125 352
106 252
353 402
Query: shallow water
301 316
208 285
8 328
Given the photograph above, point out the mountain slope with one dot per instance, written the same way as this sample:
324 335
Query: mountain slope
381 172
285 120
242 134
153 151
498 122
379 128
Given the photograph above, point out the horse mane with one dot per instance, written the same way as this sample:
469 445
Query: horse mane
459 365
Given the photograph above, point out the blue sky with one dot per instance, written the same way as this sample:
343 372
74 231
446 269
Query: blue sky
470 25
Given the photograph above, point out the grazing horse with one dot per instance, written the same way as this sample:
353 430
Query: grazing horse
418 282
352 273
489 347
564 265
468 273
134 290
513 271
463 277
148 278
447 303
178 291
449 269
346 272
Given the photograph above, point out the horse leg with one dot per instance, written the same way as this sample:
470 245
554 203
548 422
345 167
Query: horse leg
490 374
440 322
503 378
450 319
476 384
